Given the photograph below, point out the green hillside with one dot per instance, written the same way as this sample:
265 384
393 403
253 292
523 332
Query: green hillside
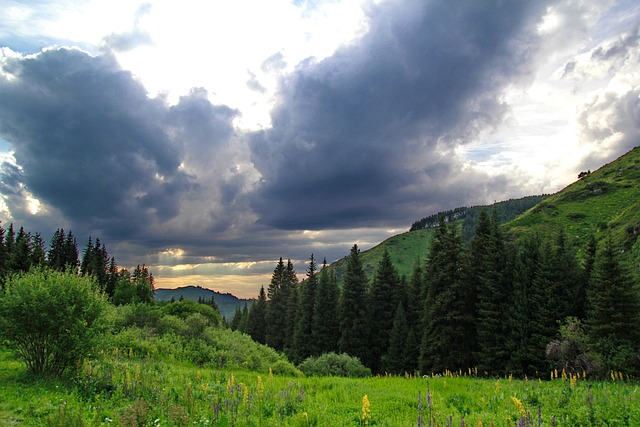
406 248
602 202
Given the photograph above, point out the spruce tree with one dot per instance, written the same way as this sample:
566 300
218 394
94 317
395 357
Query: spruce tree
383 303
520 306
56 253
354 316
292 300
37 255
326 324
448 323
20 255
278 296
396 360
487 272
613 311
303 333
257 318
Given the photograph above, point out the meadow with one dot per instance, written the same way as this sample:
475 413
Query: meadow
120 389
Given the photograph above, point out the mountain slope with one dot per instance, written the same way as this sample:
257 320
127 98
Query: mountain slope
407 248
603 202
227 303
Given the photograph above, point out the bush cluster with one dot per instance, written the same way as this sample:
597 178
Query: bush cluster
335 365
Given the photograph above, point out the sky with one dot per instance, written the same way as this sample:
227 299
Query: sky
208 139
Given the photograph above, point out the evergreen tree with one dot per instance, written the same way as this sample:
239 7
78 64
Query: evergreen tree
396 360
487 276
112 279
143 283
37 255
56 254
257 318
303 333
568 286
354 327
521 309
291 284
20 255
71 251
326 324
415 310
448 327
278 295
543 322
383 303
613 313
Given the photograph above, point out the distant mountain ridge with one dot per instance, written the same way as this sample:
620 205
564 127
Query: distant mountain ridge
227 303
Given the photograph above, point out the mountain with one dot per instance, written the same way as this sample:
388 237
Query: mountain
407 248
601 202
227 303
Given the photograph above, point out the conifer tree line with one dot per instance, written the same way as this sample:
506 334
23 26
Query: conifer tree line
21 251
495 306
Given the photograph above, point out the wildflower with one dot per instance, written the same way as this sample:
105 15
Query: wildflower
519 406
260 387
366 410
230 383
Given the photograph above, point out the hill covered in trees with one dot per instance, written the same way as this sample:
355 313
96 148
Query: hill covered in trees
554 287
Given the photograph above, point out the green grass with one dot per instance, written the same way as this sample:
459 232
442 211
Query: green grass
404 249
607 201
122 391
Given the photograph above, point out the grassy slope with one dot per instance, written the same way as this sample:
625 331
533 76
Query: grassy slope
606 201
405 250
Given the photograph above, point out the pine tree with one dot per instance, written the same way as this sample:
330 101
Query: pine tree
20 255
415 309
276 307
448 325
395 361
37 256
613 311
521 309
326 325
56 253
487 276
383 303
354 316
257 318
303 333
292 300
143 283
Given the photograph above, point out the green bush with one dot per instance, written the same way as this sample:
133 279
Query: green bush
336 365
51 319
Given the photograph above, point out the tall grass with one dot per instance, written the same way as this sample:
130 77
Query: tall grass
119 390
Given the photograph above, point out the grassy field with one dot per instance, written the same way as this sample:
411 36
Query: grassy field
119 390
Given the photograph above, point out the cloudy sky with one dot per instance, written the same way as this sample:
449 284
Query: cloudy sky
208 139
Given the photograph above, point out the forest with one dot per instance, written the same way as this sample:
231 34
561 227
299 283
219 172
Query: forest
22 251
500 305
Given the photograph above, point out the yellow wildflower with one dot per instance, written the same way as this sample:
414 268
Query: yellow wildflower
366 410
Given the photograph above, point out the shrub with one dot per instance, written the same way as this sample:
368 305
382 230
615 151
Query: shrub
337 365
51 319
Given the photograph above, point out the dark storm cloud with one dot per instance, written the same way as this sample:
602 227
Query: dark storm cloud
360 136
92 144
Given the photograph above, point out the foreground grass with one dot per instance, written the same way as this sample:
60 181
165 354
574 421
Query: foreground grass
120 391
